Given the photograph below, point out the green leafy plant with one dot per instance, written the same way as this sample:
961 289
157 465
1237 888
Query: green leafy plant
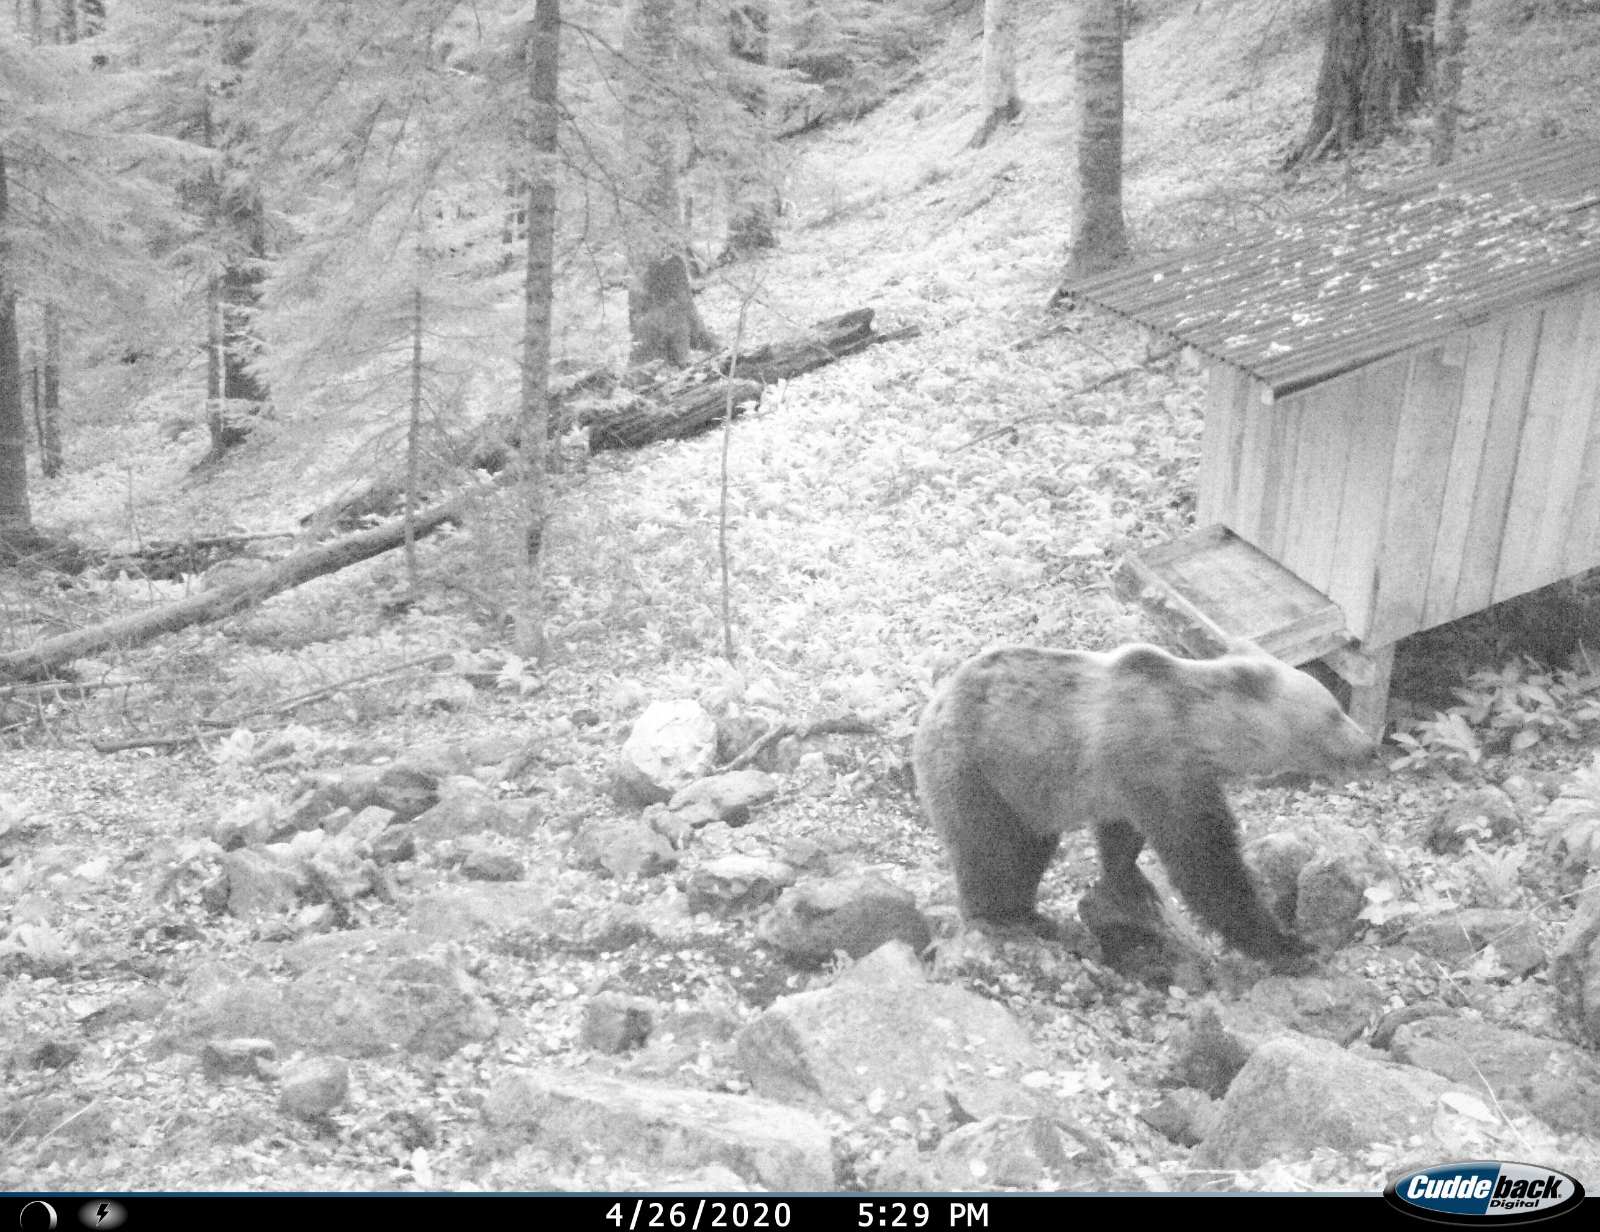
1571 825
1496 872
1511 708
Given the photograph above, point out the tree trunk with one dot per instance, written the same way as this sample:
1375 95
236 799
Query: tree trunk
237 220
1000 102
1374 70
414 429
244 223
82 19
1099 239
751 228
1450 43
47 402
544 75
662 319
16 519
50 461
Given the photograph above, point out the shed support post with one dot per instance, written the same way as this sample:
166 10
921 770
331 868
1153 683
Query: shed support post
1367 673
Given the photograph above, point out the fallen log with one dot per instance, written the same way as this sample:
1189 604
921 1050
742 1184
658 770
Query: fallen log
687 412
43 658
642 406
688 401
167 560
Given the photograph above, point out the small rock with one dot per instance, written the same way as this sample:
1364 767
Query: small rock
395 845
1014 1152
492 866
726 797
224 1058
1277 859
677 828
1297 1095
672 744
1483 814
624 849
313 1088
883 1040
856 914
249 823
1331 889
464 808
403 790
650 1126
259 885
614 1022
363 827
1556 1081
1330 1007
1184 1116
734 883
1456 937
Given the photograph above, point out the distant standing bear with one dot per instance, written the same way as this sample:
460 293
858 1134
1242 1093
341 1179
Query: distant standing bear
1022 744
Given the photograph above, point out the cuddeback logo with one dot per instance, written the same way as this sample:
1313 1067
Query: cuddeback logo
1485 1191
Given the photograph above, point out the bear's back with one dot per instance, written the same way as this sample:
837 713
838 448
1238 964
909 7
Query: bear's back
1056 731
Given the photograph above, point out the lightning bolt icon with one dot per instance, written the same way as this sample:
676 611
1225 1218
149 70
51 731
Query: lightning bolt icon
105 1207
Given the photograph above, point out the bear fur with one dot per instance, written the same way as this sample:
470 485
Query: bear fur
1021 744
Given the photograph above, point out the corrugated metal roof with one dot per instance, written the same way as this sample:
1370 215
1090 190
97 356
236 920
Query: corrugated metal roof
1338 287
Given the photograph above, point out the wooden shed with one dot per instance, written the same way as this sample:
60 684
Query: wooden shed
1403 418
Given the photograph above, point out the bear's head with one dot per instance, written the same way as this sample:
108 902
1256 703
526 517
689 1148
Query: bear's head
1274 719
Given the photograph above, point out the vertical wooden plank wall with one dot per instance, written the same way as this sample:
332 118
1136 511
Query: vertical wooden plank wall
1582 550
1318 479
1233 396
1573 414
1491 494
1250 494
1215 484
1484 347
1546 430
1277 473
1373 418
1417 476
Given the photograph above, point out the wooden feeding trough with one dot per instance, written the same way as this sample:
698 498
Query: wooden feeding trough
1403 418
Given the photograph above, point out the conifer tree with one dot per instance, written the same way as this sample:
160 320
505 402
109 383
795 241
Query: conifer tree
1098 236
87 203
999 72
382 310
544 75
1375 68
663 321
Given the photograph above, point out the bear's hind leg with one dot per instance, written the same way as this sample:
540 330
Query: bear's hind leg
1199 847
1121 881
1122 908
998 861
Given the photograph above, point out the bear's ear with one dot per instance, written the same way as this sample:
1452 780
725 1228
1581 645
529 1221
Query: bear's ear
1244 647
1254 680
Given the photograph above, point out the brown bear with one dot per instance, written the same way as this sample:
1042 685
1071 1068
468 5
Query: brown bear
1020 744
